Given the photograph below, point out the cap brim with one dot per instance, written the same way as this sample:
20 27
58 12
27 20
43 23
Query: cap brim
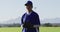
26 4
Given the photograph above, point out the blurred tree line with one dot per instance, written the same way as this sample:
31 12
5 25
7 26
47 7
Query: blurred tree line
10 25
18 25
50 25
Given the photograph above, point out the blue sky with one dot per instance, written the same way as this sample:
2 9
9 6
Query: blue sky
11 9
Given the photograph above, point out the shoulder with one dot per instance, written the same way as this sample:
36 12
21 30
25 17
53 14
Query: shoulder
23 15
35 14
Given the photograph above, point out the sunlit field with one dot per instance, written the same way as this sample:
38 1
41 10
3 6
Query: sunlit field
18 29
50 29
10 29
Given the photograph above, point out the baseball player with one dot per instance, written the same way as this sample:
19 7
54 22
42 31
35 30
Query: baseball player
30 20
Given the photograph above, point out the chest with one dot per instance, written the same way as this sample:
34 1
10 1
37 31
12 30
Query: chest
28 18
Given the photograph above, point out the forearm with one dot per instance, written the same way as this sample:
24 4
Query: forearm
36 26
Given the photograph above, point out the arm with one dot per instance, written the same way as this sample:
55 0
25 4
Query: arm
37 21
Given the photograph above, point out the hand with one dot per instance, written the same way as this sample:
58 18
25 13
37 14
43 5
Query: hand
27 25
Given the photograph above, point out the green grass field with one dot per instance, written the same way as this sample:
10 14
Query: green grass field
50 29
10 29
18 29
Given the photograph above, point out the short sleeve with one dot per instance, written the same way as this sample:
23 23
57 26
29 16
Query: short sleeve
37 20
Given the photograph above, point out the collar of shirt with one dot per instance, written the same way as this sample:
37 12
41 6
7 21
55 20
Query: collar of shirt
29 13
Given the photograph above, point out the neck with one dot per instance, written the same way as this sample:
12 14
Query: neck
30 11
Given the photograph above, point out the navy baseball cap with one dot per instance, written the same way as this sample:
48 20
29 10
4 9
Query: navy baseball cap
29 3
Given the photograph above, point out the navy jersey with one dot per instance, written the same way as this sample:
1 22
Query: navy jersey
33 18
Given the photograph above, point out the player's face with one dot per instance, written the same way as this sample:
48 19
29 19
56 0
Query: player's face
29 7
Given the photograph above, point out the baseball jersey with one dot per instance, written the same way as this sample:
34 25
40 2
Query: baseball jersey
33 18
